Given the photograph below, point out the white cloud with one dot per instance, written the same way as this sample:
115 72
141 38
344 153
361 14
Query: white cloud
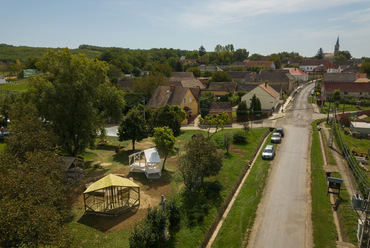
212 14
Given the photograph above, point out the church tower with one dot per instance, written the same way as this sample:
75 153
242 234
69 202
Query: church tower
336 48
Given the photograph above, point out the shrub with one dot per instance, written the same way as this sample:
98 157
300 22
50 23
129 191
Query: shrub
240 137
142 237
173 212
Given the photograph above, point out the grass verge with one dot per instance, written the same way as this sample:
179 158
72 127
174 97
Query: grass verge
324 230
243 213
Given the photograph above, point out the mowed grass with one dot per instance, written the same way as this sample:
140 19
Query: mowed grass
348 216
192 236
16 85
186 235
324 230
236 228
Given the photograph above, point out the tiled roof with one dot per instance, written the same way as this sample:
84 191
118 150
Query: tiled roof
317 62
251 63
238 74
219 107
296 71
266 87
222 86
339 77
346 87
160 97
182 75
274 76
188 83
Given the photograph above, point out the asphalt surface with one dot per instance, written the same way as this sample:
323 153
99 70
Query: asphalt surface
283 217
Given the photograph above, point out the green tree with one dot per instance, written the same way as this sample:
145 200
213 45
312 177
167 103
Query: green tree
276 58
255 57
198 160
220 76
204 59
202 51
255 106
320 54
240 54
242 110
195 70
74 95
193 55
133 127
217 122
205 102
149 84
164 141
163 68
170 116
32 198
227 141
365 68
340 57
29 132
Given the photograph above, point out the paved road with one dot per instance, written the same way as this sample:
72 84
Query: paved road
283 218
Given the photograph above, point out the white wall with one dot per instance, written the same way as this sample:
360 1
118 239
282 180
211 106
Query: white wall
267 101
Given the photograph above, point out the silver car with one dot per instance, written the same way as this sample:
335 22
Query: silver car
268 152
276 138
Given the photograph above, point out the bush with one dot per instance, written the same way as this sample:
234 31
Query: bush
240 137
173 212
150 232
143 237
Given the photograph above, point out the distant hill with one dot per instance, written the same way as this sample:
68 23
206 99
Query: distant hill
23 53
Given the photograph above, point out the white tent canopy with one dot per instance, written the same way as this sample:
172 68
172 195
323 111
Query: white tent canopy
147 161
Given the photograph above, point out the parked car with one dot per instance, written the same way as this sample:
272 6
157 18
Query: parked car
3 135
276 138
268 152
281 131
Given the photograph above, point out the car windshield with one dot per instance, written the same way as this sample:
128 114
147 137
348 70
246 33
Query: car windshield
276 135
268 150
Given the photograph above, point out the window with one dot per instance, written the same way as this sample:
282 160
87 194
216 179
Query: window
190 99
185 100
345 93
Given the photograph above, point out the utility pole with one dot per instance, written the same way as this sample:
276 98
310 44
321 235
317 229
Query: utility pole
144 106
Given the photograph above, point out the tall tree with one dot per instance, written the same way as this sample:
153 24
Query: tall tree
202 51
320 54
149 84
74 96
133 127
198 160
240 54
276 58
170 116
205 102
32 193
164 141
255 106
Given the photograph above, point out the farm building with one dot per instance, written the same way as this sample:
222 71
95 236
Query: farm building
361 127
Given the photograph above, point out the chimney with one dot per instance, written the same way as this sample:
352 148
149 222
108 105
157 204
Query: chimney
172 87
265 84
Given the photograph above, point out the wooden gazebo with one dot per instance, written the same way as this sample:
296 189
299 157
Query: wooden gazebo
111 195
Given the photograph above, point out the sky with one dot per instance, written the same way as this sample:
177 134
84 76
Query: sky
259 26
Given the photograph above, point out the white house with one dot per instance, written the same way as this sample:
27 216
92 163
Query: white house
2 80
269 97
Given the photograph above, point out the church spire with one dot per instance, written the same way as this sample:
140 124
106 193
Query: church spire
336 47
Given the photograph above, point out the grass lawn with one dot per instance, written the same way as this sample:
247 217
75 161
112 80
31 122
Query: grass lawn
16 85
114 232
324 230
348 216
347 108
240 220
